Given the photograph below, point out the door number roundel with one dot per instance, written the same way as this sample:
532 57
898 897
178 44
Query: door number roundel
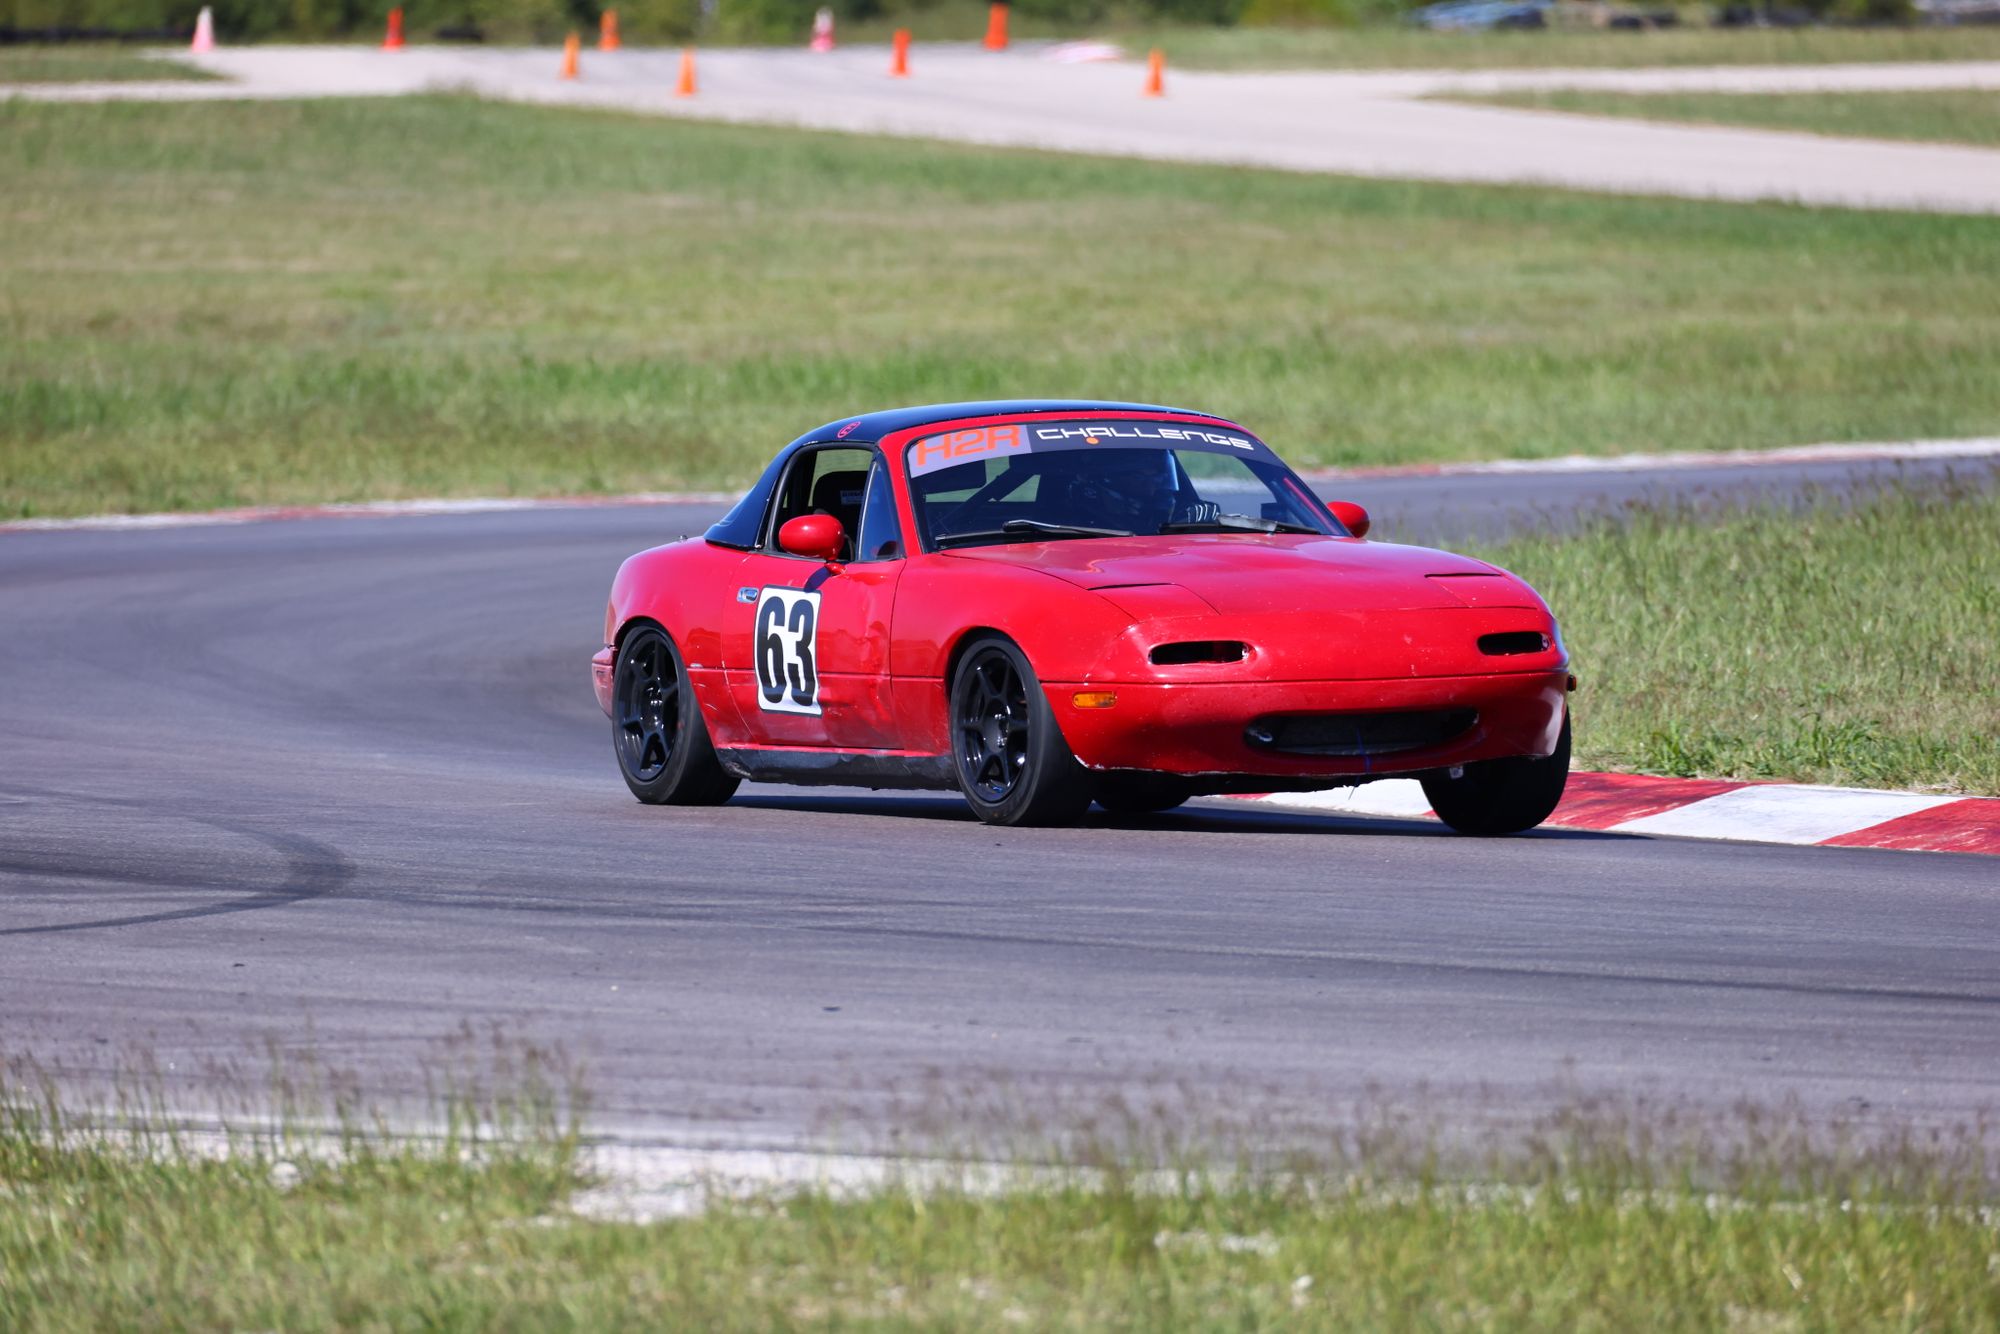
787 643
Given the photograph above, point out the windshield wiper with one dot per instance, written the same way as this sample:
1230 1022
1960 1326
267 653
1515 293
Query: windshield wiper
1016 526
1019 528
1237 523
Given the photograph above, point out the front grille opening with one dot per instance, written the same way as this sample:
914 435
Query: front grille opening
1356 734
1513 641
1199 650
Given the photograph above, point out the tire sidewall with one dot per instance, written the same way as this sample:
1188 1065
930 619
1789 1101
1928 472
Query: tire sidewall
1141 794
1498 797
1053 789
663 786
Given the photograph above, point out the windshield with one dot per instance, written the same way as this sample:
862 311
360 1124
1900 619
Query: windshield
1044 481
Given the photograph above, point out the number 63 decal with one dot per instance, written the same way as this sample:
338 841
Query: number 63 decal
787 651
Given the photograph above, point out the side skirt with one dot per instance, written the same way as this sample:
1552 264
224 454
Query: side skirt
839 768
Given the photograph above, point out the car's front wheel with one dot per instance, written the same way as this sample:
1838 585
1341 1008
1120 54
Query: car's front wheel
656 728
1501 796
1012 762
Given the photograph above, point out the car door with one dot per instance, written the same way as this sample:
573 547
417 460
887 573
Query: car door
805 643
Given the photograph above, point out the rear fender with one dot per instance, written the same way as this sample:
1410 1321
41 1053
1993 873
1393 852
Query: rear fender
681 589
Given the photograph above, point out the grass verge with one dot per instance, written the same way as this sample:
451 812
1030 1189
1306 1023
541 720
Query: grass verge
1390 47
89 64
1586 1227
1845 646
219 305
1966 116
1387 43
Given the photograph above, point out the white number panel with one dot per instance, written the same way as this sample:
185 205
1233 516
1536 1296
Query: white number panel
787 646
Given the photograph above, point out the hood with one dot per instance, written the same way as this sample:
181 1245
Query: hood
1257 573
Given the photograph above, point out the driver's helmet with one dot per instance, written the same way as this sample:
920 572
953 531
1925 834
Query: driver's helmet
1112 488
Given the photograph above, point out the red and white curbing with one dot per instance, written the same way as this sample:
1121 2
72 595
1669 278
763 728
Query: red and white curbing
1716 808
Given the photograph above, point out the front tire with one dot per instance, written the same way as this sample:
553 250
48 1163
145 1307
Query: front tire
1507 796
1012 762
1140 794
657 732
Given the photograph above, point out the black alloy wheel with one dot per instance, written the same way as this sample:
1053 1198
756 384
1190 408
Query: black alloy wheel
1012 762
1508 796
656 728
992 726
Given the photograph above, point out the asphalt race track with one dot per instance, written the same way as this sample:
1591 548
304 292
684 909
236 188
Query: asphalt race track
341 785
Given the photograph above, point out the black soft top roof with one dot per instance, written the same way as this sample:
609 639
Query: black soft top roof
743 525
875 425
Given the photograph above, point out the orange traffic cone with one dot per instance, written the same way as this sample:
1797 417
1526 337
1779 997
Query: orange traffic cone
899 59
607 31
570 48
204 31
685 88
996 27
822 39
1156 72
393 41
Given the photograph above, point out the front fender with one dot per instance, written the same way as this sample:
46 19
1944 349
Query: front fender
944 603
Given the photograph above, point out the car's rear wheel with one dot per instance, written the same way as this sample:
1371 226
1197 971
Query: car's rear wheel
1501 796
1140 794
1012 762
656 727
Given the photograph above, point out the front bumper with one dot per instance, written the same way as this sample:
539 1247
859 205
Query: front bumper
603 667
1199 729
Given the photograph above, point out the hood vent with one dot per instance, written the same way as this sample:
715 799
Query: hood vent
1199 650
1508 642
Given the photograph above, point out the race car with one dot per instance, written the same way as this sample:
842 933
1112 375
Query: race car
1046 604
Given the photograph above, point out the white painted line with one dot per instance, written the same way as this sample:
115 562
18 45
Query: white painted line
368 509
1083 53
1782 813
646 1183
1399 798
1978 447
1885 451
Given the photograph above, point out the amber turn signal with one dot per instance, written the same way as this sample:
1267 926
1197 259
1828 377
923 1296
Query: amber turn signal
1572 680
1093 699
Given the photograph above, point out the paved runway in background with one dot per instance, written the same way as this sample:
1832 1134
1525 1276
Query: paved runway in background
341 785
1355 123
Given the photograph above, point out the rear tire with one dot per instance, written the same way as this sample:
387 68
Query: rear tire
1010 757
662 744
1501 796
1140 794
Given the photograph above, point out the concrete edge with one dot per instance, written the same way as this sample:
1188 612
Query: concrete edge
1984 447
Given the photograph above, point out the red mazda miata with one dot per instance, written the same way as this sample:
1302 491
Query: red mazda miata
1046 604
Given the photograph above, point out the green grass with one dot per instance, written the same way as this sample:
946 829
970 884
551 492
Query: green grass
216 305
1388 47
100 1231
1852 647
88 64
1383 42
1967 116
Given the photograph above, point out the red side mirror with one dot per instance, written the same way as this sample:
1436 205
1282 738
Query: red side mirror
1352 517
819 536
